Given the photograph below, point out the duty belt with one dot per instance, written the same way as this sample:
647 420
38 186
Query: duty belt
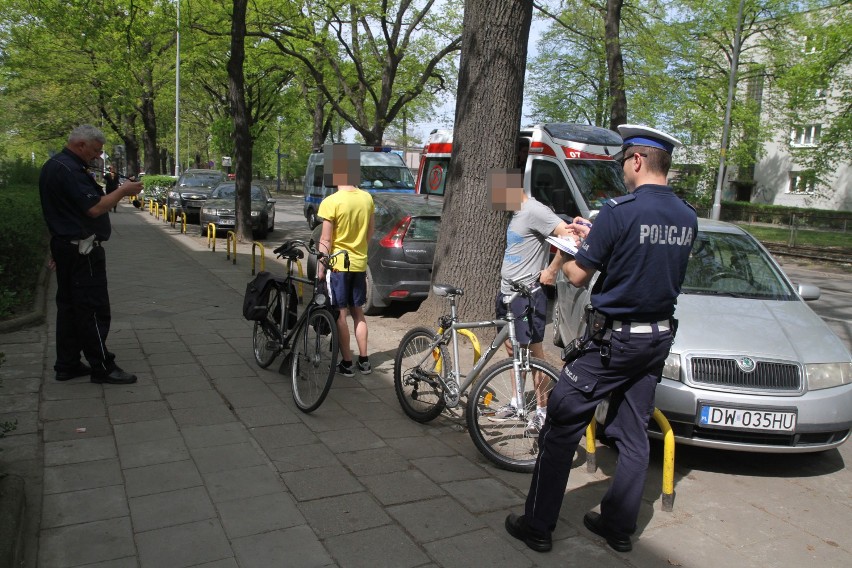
641 327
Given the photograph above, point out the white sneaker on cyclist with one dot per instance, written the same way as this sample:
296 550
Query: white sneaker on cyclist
506 412
534 425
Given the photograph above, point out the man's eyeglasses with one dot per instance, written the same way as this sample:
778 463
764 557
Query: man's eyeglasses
625 158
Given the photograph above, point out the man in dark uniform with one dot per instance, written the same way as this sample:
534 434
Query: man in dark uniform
640 244
76 213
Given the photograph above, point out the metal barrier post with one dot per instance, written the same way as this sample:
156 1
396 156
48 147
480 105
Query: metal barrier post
150 207
211 235
474 341
668 460
300 285
668 494
165 213
591 457
183 222
231 237
254 245
172 217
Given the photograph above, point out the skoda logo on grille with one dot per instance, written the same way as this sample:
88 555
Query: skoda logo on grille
746 364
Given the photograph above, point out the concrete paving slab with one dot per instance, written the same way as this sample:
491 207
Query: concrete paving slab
443 469
146 431
401 487
162 370
86 543
194 399
70 390
214 435
183 384
152 452
131 393
435 519
169 546
138 412
160 478
283 436
64 409
204 415
77 451
242 483
373 461
336 480
351 440
79 476
169 508
344 514
87 505
254 515
298 458
481 495
225 457
357 550
298 545
265 415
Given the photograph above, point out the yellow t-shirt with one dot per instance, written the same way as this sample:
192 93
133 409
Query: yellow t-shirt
350 212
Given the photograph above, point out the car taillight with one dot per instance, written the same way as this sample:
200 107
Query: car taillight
395 236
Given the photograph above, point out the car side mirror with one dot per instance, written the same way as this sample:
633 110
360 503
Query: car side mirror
270 201
808 292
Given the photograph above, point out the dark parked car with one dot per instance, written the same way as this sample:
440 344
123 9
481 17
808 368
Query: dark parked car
399 264
752 367
192 189
220 209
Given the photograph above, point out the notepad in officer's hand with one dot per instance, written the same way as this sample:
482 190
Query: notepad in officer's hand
564 244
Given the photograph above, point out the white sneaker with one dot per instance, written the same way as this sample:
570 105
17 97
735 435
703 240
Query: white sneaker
534 425
506 412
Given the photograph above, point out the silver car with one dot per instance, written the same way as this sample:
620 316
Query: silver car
752 367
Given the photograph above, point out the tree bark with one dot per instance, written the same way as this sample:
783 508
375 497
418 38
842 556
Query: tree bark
615 64
242 135
487 122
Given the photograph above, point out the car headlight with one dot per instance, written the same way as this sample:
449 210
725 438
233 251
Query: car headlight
208 211
255 213
827 375
671 368
175 196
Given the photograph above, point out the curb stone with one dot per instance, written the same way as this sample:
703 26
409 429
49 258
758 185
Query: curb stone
37 314
12 511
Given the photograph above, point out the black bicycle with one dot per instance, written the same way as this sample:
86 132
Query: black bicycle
309 340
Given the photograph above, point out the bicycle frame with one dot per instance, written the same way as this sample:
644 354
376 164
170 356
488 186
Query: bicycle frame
520 355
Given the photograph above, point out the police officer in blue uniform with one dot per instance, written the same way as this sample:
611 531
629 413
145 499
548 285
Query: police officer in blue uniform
640 244
76 213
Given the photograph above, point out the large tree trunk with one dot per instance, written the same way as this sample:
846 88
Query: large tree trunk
615 64
488 117
242 135
149 125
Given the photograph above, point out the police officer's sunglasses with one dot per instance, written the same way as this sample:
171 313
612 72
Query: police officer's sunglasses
623 158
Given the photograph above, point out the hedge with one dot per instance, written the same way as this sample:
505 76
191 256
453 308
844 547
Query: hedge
23 247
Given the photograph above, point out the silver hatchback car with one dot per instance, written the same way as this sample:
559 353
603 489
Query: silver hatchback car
752 367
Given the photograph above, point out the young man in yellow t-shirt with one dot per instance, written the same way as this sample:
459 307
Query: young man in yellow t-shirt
348 224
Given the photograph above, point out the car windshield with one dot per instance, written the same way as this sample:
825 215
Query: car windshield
229 191
200 180
731 264
598 180
386 177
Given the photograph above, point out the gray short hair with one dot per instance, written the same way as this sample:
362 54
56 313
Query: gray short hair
87 133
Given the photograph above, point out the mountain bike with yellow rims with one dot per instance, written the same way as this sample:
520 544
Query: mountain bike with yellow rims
502 402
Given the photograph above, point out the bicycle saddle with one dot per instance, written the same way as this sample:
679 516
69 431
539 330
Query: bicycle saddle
447 290
290 251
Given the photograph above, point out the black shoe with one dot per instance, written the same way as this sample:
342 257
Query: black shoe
81 370
594 523
116 377
517 527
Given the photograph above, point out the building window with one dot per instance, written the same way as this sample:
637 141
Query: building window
802 182
813 43
807 135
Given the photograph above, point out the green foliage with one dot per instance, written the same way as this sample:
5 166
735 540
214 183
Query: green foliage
158 181
18 171
804 237
734 211
22 247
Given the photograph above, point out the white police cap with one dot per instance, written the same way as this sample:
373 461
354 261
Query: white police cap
638 135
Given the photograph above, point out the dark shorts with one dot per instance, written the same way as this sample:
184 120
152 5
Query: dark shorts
528 329
348 289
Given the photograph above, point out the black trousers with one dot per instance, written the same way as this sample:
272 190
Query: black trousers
629 376
82 308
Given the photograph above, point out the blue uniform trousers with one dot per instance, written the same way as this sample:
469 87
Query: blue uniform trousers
629 376
82 308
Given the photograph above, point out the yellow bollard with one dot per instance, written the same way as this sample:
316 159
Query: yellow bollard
474 341
183 223
211 235
668 460
591 457
254 245
300 285
165 213
231 237
173 217
150 207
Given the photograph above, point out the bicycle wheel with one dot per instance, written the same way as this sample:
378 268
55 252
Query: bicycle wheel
314 358
415 374
507 442
266 337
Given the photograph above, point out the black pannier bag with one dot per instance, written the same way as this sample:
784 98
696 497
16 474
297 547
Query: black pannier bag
256 299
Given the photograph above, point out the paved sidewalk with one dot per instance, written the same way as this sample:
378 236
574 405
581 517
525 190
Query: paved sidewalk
207 462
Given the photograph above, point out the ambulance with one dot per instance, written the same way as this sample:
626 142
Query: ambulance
568 167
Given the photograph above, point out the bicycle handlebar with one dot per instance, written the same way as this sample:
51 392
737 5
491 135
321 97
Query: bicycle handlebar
291 250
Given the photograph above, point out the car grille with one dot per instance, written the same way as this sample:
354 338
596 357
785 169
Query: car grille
226 212
767 375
